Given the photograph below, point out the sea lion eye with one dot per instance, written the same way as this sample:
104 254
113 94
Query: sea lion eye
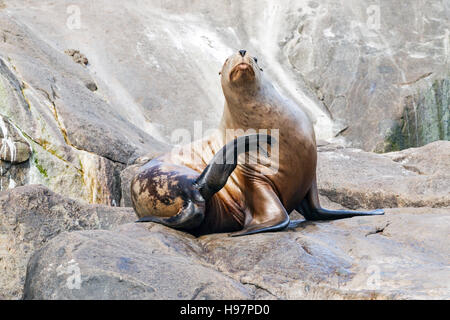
256 59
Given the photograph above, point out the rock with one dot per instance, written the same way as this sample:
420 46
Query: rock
14 151
416 177
426 118
367 67
121 268
352 258
31 216
77 56
359 258
125 179
102 178
91 86
13 146
14 154
157 68
430 160
72 131
13 175
81 59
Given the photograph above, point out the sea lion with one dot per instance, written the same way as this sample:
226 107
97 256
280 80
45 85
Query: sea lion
212 195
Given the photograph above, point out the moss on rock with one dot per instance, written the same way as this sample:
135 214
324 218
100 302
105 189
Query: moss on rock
40 168
426 118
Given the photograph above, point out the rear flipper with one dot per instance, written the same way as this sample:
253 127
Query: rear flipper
325 214
310 208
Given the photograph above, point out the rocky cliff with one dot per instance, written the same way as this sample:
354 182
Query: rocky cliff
91 90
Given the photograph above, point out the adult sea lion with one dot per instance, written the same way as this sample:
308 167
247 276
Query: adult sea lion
211 195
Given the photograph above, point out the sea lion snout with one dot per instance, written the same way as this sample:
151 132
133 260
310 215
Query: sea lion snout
190 217
240 71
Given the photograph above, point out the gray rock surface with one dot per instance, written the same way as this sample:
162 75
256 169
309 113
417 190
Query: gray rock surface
372 63
416 177
107 265
32 215
358 258
77 57
13 146
79 142
14 154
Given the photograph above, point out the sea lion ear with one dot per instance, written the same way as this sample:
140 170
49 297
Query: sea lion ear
261 69
220 72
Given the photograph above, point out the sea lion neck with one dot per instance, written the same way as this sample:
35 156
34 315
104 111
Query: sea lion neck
239 101
239 107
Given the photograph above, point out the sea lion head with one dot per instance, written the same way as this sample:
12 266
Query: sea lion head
240 72
167 194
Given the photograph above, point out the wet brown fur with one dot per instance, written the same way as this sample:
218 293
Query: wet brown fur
249 197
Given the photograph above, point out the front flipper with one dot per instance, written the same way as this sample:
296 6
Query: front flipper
267 212
269 226
215 175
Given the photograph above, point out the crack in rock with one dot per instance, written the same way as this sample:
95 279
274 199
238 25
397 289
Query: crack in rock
378 230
